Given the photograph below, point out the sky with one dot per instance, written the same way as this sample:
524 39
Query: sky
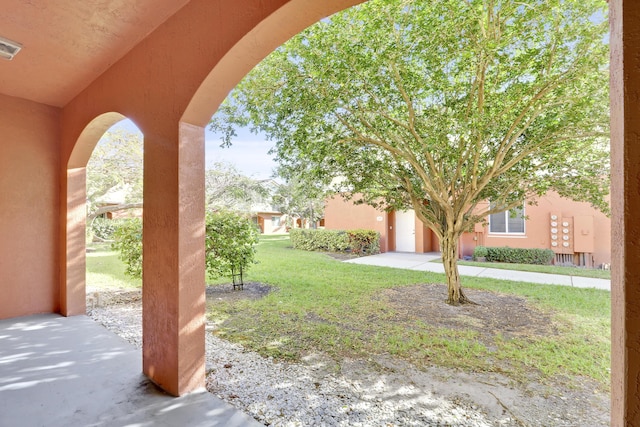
248 152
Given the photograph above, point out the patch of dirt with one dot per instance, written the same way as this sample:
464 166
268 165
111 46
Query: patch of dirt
505 403
104 298
251 291
225 292
554 402
493 314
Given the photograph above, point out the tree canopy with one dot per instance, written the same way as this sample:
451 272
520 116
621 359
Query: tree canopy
299 196
114 173
440 106
227 189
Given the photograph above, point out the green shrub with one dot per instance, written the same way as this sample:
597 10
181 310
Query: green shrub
364 242
360 242
319 240
128 241
104 228
479 252
230 243
519 256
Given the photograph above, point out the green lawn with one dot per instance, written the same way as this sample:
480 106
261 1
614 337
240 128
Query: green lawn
323 304
106 271
332 306
552 269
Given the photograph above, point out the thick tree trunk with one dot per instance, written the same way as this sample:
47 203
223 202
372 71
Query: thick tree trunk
449 246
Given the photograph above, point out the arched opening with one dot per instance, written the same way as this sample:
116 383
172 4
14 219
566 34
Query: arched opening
114 219
192 116
73 289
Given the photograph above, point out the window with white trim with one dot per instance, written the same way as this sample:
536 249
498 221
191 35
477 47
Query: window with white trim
275 221
508 222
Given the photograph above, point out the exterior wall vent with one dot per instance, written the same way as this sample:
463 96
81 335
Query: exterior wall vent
8 49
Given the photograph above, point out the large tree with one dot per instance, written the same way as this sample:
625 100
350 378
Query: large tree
300 195
115 170
441 106
227 189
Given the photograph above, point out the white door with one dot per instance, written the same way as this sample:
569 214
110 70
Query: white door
405 231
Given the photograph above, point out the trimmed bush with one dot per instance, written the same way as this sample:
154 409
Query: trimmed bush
319 240
518 255
480 252
360 242
364 242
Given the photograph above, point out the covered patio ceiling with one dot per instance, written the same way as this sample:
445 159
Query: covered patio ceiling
67 44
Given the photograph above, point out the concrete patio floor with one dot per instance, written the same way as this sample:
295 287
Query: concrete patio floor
71 371
423 262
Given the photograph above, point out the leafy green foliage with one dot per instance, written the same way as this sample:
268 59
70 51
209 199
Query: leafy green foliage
359 242
480 252
440 106
518 255
298 197
227 189
364 242
562 270
319 240
229 243
104 228
106 271
115 170
128 242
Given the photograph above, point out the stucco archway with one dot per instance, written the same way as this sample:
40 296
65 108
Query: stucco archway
73 280
287 21
264 38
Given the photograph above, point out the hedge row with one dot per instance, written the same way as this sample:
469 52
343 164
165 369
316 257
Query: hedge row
514 255
360 242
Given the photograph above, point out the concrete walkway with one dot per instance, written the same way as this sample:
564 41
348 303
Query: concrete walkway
71 371
422 262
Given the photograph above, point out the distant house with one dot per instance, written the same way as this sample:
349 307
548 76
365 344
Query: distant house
270 218
114 211
576 232
267 216
270 221
113 205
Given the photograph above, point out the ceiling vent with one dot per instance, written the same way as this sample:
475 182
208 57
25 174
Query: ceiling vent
8 49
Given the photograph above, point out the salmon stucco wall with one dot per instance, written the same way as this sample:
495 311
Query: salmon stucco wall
341 214
537 227
426 240
29 213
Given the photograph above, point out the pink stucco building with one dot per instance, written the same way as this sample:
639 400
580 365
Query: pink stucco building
576 232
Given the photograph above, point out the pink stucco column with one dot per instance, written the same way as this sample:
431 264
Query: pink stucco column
173 292
625 201
73 277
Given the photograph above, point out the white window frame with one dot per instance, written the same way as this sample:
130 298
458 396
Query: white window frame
276 221
506 224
